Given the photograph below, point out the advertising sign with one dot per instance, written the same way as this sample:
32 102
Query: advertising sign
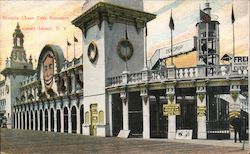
240 63
171 109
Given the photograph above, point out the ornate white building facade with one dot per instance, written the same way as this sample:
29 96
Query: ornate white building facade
110 88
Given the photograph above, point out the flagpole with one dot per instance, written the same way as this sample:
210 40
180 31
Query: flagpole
67 49
172 62
145 48
207 40
126 36
233 43
74 46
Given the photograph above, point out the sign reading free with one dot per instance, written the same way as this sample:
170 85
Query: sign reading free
171 109
240 63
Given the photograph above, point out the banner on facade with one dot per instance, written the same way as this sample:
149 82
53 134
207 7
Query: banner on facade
171 109
240 63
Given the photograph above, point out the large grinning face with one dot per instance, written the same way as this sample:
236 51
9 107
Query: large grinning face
48 71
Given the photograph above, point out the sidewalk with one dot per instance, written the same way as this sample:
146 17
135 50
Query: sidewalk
223 143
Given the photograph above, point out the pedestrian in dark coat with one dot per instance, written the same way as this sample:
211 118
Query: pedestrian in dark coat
237 128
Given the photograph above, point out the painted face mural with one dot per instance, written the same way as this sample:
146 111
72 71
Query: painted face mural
48 71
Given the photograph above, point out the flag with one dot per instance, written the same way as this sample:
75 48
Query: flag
126 34
68 44
75 39
232 17
171 22
204 17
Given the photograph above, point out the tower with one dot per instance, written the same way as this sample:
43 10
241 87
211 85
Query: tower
208 45
113 43
16 69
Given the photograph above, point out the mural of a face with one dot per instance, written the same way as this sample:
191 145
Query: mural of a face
48 71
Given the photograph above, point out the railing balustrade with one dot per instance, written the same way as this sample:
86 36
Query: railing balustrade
219 71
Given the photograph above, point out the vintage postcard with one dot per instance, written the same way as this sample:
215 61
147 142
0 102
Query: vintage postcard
124 76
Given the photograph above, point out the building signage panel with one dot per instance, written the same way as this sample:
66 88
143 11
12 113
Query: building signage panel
240 63
171 109
184 134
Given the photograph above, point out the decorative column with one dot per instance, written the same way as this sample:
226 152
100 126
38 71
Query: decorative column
38 119
30 112
146 113
25 119
170 92
43 113
34 120
19 119
201 111
22 124
124 97
78 123
49 121
69 121
55 120
234 104
62 121
110 115
16 120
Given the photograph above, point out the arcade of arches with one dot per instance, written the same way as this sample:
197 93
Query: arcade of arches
50 119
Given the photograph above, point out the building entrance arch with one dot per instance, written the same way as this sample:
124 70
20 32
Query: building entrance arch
41 119
66 120
46 120
28 120
73 119
36 120
81 117
58 120
52 120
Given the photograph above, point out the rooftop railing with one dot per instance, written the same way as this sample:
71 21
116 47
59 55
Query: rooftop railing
199 72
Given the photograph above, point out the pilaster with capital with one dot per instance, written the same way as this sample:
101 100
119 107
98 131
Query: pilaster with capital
146 113
201 111
124 97
170 92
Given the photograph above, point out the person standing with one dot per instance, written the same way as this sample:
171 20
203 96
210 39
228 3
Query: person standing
237 128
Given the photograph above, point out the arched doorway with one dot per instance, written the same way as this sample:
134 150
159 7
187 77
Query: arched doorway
32 120
52 120
20 120
46 120
14 120
24 122
73 119
28 120
17 120
58 120
65 113
36 120
41 120
81 118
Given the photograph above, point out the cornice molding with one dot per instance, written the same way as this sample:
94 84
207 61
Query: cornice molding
112 14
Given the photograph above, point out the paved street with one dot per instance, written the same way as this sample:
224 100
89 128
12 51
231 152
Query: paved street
27 141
